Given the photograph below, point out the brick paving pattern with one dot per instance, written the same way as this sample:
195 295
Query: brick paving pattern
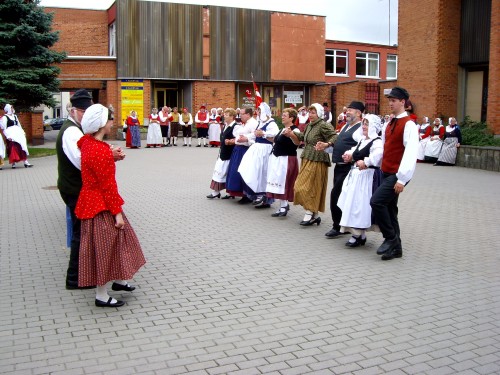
230 290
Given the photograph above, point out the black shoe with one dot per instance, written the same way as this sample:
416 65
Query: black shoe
359 242
74 287
175 144
388 245
27 165
118 287
313 220
258 200
227 197
198 146
109 304
211 196
282 213
393 253
184 145
262 205
244 200
333 233
205 145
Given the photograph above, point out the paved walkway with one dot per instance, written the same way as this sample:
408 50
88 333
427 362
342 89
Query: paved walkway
229 290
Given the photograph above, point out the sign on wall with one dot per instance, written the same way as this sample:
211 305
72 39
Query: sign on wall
293 97
132 98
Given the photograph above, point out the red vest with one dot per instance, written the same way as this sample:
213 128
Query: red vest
393 146
202 116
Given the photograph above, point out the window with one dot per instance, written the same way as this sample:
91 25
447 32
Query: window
367 64
392 66
112 39
336 62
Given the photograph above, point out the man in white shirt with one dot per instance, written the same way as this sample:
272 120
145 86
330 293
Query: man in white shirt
398 164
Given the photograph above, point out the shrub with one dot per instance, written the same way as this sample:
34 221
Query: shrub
477 134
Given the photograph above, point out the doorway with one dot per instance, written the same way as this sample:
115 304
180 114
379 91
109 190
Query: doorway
166 94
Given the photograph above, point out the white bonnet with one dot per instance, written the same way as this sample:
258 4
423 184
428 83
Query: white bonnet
374 125
319 109
265 109
94 118
8 109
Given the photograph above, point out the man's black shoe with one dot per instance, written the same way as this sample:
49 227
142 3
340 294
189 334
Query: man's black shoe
244 200
332 233
388 245
393 253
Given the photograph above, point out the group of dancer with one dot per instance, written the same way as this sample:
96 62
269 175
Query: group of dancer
258 162
164 126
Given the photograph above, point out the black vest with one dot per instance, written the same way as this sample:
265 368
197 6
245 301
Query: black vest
69 180
284 146
344 142
226 150
11 122
360 154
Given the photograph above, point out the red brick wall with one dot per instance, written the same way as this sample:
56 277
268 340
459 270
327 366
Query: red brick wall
321 94
81 32
384 102
347 92
428 54
493 114
297 47
213 94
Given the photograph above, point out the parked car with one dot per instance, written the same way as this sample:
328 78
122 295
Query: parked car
53 124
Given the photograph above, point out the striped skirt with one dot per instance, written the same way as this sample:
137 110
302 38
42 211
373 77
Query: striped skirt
448 154
107 253
310 186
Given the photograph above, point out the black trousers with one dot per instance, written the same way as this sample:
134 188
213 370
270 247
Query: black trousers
340 172
384 204
72 273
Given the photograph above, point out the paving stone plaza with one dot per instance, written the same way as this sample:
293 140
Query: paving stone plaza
227 289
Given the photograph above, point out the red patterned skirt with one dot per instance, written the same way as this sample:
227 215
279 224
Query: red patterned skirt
107 253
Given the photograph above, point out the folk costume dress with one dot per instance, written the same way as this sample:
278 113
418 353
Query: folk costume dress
106 253
452 137
16 145
359 185
424 136
253 166
433 146
283 167
133 139
234 182
222 164
214 128
154 136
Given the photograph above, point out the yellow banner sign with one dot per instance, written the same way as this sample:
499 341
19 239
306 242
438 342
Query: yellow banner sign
132 98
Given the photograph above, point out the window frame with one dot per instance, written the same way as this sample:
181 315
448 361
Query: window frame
334 56
367 59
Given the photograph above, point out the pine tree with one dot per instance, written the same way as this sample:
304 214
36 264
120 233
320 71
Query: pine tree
28 76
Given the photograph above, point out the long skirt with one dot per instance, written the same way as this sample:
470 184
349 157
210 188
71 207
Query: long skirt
133 136
154 137
253 166
107 253
310 185
354 200
219 176
432 149
15 151
281 175
421 148
214 134
448 154
234 181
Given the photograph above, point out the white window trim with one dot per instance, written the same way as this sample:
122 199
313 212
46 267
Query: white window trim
391 54
335 63
366 60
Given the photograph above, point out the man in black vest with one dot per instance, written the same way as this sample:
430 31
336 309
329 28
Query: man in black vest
348 137
69 181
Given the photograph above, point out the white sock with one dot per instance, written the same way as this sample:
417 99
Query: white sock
101 293
121 282
204 141
215 192
352 239
199 142
308 216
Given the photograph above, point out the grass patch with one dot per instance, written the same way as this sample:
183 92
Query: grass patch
39 152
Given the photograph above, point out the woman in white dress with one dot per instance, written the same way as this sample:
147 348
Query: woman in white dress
17 146
154 137
424 136
433 146
214 128
362 180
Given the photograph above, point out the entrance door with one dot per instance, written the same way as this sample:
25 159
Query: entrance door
476 94
166 94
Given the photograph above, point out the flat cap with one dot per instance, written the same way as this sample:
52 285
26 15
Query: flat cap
357 105
81 99
398 93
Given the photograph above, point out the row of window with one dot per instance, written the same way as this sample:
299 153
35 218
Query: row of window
367 64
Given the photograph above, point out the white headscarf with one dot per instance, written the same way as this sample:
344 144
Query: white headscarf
8 109
265 111
94 118
319 109
374 125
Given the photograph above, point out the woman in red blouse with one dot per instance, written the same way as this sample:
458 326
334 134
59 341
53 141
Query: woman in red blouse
109 247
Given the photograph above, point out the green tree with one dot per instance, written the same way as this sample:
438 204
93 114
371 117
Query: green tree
27 74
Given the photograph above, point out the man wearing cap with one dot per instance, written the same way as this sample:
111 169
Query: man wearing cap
349 136
398 164
69 181
201 119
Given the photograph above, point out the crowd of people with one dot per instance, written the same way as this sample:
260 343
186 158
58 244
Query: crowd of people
374 161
